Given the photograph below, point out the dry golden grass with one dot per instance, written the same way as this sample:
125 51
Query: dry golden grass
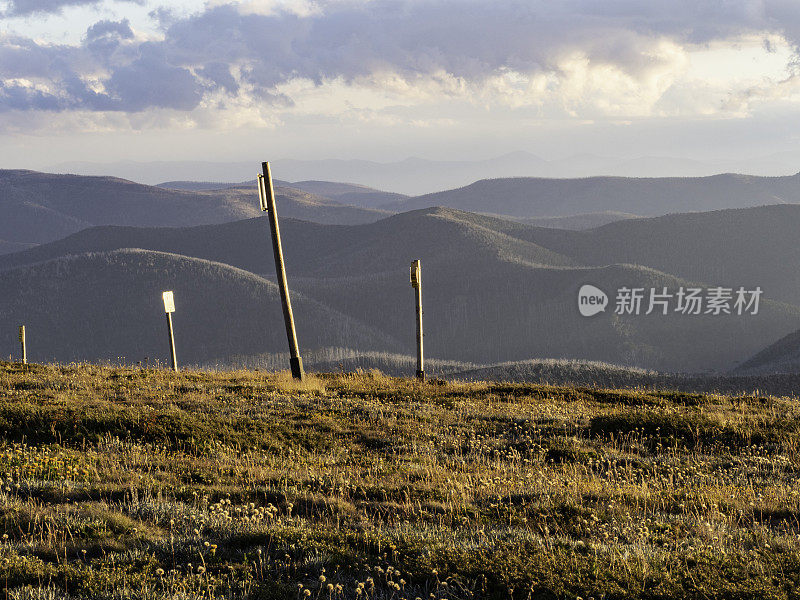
134 483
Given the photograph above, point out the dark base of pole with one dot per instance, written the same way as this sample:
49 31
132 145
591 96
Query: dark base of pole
297 367
421 375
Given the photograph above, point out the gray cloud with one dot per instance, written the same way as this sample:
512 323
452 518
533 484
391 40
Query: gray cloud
16 97
465 38
101 29
151 81
220 74
104 37
223 50
28 7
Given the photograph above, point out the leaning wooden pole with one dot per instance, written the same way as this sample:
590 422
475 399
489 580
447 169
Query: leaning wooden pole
416 283
266 194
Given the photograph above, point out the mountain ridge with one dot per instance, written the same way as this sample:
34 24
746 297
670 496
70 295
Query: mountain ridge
42 207
416 176
499 290
119 294
532 197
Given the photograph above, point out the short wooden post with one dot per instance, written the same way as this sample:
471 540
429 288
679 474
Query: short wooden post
23 344
266 195
169 308
416 283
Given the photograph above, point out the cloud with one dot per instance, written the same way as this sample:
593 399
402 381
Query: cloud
220 75
104 29
151 81
104 37
585 58
19 97
19 8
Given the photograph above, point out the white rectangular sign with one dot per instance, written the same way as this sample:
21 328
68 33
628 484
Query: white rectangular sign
169 302
262 192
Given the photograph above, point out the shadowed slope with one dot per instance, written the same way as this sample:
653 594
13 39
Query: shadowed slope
9 247
740 247
108 305
579 222
441 235
781 357
505 311
494 290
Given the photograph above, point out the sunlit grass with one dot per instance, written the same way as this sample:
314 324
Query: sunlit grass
142 483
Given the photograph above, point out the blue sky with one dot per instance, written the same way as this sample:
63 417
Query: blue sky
386 79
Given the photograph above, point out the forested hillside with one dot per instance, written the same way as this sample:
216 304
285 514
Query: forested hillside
494 290
107 306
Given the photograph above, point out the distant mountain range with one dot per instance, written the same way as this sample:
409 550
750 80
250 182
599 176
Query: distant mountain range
526 197
41 207
494 290
415 176
497 289
344 193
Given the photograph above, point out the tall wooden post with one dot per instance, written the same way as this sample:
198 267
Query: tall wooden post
416 283
266 194
23 344
169 308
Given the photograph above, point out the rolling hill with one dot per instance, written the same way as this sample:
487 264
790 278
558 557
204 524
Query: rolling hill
506 311
107 306
344 193
740 247
589 374
420 176
491 292
527 197
349 193
579 222
42 207
316 250
299 204
781 357
204 186
9 247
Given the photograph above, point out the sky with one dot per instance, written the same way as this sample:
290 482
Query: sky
388 79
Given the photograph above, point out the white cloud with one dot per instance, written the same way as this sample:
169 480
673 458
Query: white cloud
257 61
302 8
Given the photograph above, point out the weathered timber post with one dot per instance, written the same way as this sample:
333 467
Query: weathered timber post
23 344
266 195
169 308
416 283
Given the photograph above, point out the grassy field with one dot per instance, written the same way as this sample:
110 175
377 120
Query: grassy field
130 483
